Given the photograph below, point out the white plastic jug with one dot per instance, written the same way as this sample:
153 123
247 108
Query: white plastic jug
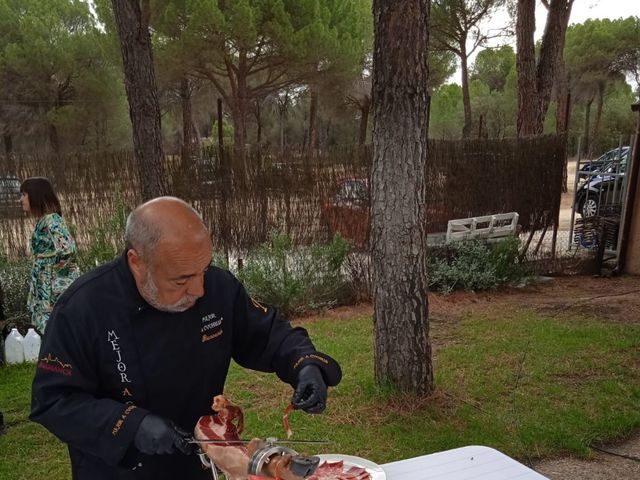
13 347
31 346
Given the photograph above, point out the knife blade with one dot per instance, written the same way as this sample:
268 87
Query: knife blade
244 440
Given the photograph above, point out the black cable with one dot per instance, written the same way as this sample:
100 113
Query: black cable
623 455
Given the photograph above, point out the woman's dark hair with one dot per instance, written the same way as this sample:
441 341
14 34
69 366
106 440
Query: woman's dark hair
42 198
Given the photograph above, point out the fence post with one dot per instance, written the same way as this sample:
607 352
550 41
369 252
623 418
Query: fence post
575 188
627 214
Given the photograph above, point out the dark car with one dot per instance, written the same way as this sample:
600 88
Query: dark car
10 205
601 191
614 155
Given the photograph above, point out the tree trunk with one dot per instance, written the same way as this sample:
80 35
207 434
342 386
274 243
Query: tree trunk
132 21
587 121
283 105
54 141
239 110
189 132
398 228
313 120
535 82
550 56
239 114
526 66
562 99
258 114
8 143
240 104
594 144
466 99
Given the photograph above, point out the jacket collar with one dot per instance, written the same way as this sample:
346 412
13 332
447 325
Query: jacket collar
130 286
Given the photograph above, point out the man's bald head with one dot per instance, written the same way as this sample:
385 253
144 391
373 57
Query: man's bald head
163 220
168 253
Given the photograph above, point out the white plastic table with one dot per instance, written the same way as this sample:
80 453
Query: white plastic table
466 463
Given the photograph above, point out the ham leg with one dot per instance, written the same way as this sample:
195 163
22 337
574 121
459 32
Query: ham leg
233 457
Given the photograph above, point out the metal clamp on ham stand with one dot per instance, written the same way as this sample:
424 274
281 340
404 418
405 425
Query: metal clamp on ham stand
298 466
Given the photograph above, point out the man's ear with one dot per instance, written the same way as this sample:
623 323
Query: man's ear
136 264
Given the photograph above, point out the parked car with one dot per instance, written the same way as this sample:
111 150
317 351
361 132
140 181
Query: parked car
616 154
602 189
10 205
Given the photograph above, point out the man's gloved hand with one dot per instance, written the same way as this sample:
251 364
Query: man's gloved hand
159 436
311 391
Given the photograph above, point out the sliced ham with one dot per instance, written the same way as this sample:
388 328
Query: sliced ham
285 420
330 471
338 471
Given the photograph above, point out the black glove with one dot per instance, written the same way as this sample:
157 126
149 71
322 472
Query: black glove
311 391
159 436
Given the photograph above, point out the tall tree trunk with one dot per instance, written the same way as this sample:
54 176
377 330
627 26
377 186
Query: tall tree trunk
398 213
240 103
594 144
283 106
526 66
54 141
239 114
562 99
563 103
535 82
587 120
551 53
257 110
313 120
466 99
132 21
8 143
189 132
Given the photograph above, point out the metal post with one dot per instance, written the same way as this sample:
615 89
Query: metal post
575 191
612 197
631 177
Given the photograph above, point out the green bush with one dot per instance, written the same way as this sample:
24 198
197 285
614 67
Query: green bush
475 265
14 277
296 280
107 240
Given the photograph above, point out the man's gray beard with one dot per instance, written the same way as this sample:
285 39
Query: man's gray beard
150 294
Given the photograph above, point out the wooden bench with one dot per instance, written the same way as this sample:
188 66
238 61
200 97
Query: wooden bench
489 227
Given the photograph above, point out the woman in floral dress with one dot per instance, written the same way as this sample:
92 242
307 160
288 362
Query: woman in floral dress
53 248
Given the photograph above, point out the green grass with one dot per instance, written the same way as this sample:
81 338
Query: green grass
528 385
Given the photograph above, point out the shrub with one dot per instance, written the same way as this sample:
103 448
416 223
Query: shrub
474 265
220 259
107 240
359 277
296 280
14 277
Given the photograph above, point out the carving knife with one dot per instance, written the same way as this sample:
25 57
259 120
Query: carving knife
232 441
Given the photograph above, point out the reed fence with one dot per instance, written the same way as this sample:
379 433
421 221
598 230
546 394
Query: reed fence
243 199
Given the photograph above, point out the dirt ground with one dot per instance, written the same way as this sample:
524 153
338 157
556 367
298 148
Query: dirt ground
615 299
566 201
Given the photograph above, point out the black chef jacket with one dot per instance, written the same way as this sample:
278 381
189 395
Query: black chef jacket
108 358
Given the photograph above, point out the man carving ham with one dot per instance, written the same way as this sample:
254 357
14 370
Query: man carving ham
127 407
